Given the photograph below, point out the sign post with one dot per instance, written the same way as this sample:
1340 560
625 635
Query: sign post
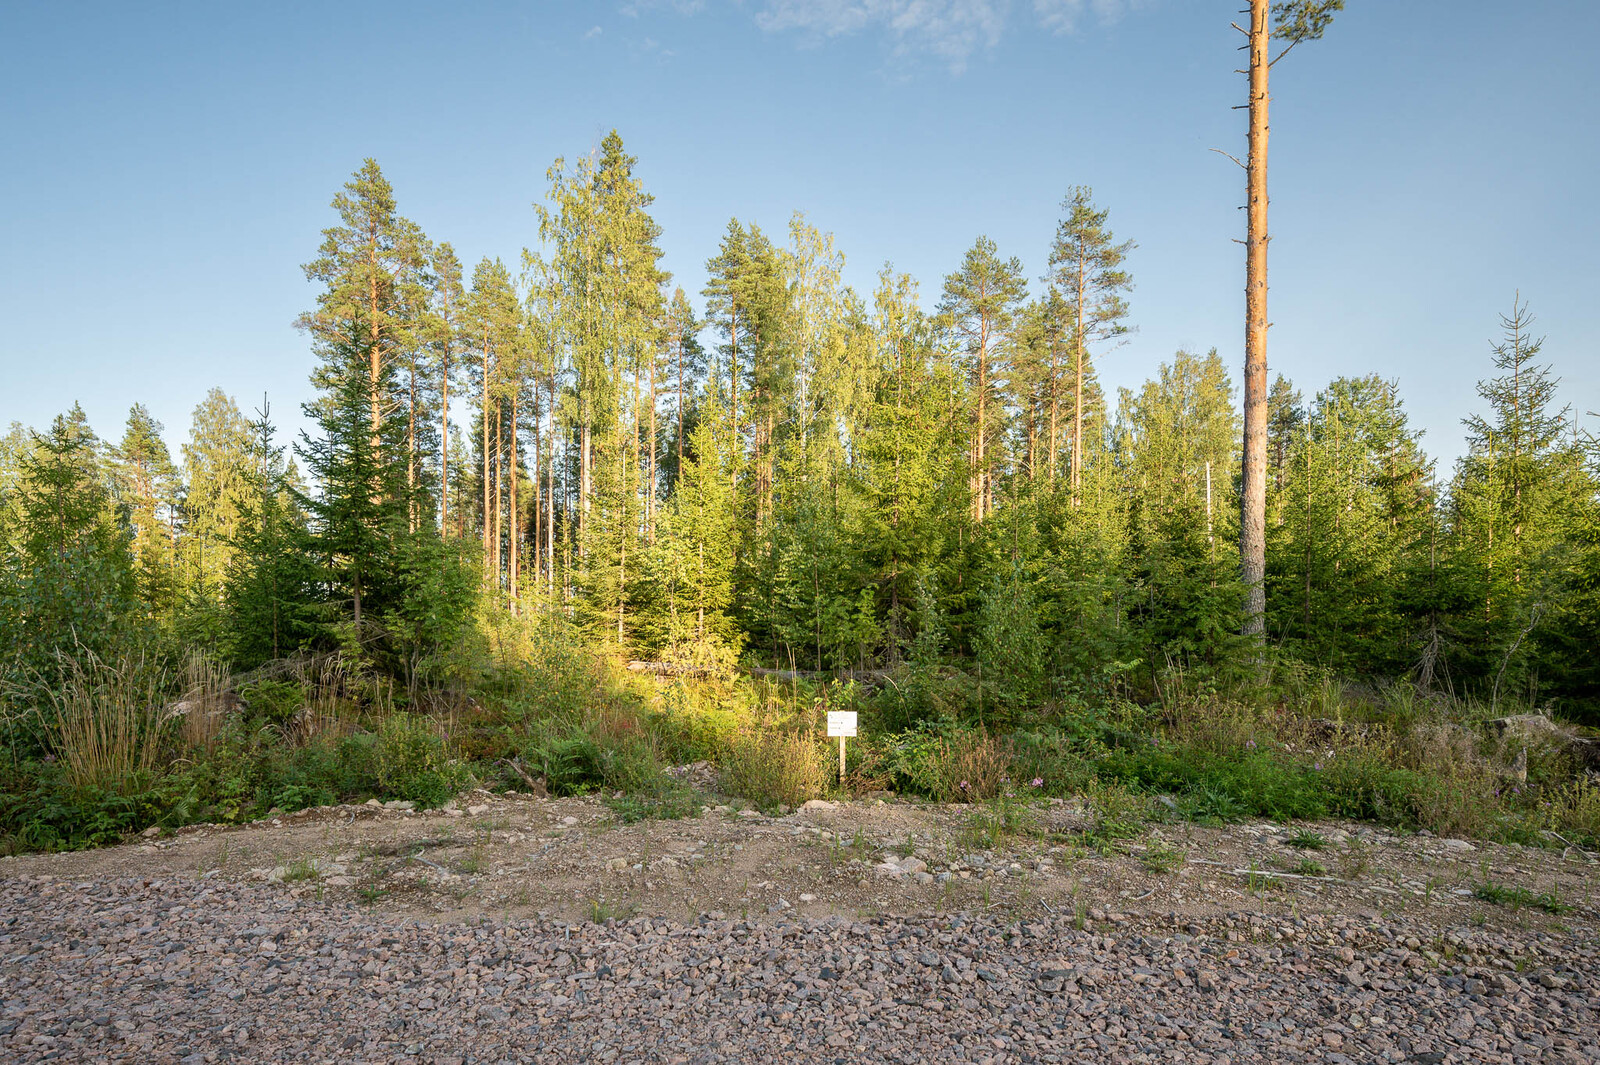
841 723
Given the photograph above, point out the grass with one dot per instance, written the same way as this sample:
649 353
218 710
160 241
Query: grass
108 720
602 910
1518 898
300 869
997 823
107 763
1308 867
1162 859
1306 840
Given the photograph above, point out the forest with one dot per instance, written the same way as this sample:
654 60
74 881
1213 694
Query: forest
560 523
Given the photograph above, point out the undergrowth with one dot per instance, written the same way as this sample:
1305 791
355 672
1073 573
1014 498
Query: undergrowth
135 742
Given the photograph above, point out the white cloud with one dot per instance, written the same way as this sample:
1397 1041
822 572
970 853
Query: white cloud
1063 16
635 8
950 29
592 32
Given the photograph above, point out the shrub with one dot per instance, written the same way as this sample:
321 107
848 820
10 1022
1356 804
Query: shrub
963 766
782 766
412 762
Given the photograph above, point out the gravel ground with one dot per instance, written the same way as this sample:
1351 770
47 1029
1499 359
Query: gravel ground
191 968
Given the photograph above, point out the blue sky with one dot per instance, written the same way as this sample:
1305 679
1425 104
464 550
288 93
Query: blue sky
168 168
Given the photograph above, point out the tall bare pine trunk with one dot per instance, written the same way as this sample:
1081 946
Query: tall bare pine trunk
1253 499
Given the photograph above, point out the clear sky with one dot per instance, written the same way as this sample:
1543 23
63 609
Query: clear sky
167 167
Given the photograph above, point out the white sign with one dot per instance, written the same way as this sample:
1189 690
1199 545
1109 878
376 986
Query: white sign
841 722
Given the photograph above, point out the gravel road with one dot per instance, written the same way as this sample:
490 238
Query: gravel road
190 968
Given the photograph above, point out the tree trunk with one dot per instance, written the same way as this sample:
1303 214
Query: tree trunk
1055 406
499 496
444 438
650 484
978 480
1253 499
550 512
1077 388
375 357
485 410
515 515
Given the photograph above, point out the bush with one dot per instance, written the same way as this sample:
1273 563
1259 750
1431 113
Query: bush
964 765
770 768
412 762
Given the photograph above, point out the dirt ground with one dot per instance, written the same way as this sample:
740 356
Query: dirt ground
511 856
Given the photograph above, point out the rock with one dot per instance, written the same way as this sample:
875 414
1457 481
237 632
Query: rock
569 821
1536 728
806 896
152 832
817 804
1460 846
478 810
911 864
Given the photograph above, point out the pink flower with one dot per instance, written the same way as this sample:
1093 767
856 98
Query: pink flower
1038 782
964 785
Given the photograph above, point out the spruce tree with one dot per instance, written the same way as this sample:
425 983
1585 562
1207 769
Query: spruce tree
271 580
147 486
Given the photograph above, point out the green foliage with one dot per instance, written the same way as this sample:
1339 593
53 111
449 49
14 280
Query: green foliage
412 762
1010 646
1518 897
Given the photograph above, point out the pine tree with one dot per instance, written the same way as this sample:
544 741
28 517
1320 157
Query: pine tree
373 269
1519 501
75 583
217 461
1086 267
979 307
1295 21
361 508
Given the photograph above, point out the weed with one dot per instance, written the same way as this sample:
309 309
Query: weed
602 910
371 893
1353 861
1309 867
669 803
1518 897
1118 812
1162 859
1306 840
300 869
777 768
108 723
993 825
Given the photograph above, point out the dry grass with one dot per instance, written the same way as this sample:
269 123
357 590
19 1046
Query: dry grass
109 718
204 706
781 766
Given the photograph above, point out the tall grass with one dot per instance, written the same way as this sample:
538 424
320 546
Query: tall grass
203 709
109 721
